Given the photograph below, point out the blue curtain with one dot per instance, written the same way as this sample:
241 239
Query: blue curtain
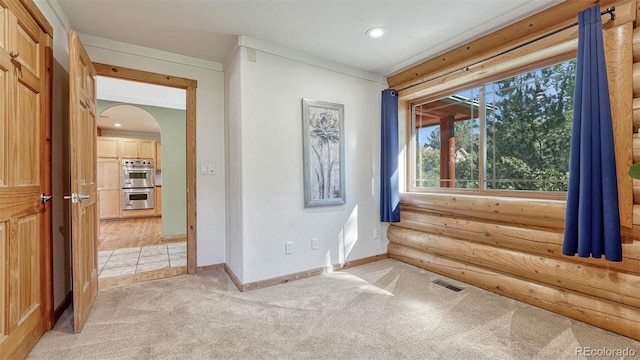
592 223
389 190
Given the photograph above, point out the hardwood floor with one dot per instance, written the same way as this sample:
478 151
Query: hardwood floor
118 234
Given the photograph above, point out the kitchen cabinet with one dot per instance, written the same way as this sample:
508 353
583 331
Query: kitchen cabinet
108 147
158 156
137 149
109 204
108 174
109 187
110 152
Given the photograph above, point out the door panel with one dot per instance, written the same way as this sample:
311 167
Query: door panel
4 247
28 48
25 131
22 232
84 213
3 26
27 294
4 113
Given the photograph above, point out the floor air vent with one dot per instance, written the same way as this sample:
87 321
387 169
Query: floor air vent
447 285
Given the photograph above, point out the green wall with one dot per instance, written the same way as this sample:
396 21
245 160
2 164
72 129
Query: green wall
173 136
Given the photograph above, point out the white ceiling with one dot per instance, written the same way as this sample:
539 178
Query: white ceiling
133 118
332 30
130 117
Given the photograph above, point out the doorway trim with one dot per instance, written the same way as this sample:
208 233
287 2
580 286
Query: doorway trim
190 86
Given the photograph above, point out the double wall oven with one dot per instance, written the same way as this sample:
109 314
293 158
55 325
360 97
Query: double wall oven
138 184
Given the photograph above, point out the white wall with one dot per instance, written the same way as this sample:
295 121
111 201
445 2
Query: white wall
233 116
272 175
209 113
209 125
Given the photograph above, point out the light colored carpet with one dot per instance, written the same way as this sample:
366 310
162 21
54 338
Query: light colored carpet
382 310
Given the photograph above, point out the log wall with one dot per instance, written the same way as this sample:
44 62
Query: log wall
513 246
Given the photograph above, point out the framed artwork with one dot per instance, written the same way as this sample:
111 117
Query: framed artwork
323 148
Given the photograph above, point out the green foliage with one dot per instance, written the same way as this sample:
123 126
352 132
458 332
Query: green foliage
528 129
634 171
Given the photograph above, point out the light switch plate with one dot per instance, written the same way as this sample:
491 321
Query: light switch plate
251 54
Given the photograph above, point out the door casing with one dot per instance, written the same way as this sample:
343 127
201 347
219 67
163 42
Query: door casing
190 86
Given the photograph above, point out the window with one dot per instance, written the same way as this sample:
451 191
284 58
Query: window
511 134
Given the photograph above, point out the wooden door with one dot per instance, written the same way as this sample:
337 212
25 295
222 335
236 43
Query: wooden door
23 174
84 210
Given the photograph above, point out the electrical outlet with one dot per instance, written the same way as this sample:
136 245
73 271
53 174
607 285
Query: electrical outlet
288 247
314 243
376 233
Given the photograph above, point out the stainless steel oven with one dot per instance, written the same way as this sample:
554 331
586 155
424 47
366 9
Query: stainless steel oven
137 173
136 199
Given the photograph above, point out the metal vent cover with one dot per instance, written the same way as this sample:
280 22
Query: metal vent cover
447 285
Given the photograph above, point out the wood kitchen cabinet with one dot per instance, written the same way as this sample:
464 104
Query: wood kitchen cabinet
110 152
158 156
109 204
108 147
108 174
109 187
137 149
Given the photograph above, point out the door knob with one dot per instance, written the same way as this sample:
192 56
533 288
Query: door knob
83 197
44 198
73 197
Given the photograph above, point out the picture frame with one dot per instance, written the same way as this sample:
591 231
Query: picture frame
323 150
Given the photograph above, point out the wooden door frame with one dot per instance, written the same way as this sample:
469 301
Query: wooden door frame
190 86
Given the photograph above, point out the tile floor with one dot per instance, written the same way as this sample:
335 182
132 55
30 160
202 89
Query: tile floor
139 259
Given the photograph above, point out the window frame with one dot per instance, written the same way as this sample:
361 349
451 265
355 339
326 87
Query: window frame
491 73
462 66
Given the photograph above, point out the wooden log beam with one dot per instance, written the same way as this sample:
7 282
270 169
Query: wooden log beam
619 318
509 37
636 114
535 212
619 59
541 242
636 45
611 285
636 80
636 148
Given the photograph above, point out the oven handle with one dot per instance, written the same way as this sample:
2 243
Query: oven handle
138 190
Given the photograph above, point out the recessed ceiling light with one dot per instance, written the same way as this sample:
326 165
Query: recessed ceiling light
117 125
376 32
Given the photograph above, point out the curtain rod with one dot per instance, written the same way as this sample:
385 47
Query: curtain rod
610 10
